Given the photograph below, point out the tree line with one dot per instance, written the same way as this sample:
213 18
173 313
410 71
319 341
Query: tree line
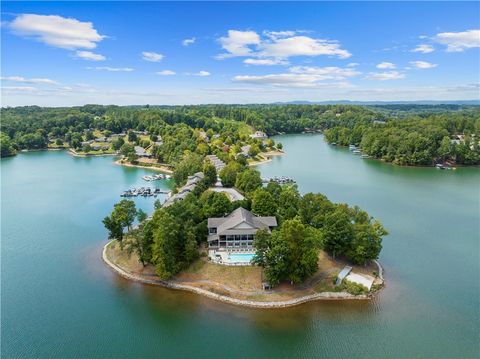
170 239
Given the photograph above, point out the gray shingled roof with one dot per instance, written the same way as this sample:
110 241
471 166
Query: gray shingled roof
226 225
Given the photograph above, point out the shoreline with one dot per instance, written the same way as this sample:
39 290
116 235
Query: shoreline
381 160
76 154
267 157
238 302
163 169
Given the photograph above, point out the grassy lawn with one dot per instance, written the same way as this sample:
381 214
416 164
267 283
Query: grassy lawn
243 282
248 278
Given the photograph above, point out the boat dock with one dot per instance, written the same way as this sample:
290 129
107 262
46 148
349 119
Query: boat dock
279 180
143 192
156 177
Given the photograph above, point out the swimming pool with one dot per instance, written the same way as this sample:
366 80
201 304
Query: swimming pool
240 257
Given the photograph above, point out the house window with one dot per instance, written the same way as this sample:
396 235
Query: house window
212 230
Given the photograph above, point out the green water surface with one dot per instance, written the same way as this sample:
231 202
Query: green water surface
59 300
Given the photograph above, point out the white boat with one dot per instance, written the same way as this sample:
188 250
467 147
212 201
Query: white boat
357 152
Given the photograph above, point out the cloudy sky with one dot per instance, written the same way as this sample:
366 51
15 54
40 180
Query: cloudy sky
63 54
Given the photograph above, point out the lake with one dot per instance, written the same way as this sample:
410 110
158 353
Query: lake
60 300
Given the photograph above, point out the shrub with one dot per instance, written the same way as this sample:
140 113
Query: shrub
354 288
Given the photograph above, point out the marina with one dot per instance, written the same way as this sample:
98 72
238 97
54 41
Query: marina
278 179
143 192
156 177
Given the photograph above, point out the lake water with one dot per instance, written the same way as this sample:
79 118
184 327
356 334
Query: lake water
59 300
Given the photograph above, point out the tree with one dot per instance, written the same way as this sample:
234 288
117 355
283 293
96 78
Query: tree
242 159
261 244
127 149
288 202
253 151
139 244
445 149
215 204
118 143
59 142
263 203
132 136
313 208
6 146
338 231
248 180
293 252
228 174
210 174
114 226
165 237
367 242
190 164
89 135
279 146
126 212
141 216
87 148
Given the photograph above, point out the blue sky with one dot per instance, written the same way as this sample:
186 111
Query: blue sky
72 53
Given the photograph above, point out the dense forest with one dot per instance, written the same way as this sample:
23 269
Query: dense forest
403 134
171 238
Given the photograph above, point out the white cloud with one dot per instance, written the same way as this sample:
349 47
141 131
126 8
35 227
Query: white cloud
277 45
386 65
152 56
202 73
325 73
301 46
165 73
353 64
422 64
237 42
385 76
423 48
19 89
57 31
188 42
302 77
290 80
111 69
278 34
21 79
265 62
88 55
459 41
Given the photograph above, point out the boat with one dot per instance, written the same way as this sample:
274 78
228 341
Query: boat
352 147
365 156
357 152
440 166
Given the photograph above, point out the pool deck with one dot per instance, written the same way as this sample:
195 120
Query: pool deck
223 257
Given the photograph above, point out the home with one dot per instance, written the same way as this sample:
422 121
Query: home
246 150
259 134
237 230
183 191
218 163
141 152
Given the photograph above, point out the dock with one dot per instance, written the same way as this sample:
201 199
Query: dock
143 192
279 180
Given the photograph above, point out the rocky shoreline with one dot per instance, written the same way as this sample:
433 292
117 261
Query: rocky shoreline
234 301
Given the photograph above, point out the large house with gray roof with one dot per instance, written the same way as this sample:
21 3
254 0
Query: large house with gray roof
237 230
